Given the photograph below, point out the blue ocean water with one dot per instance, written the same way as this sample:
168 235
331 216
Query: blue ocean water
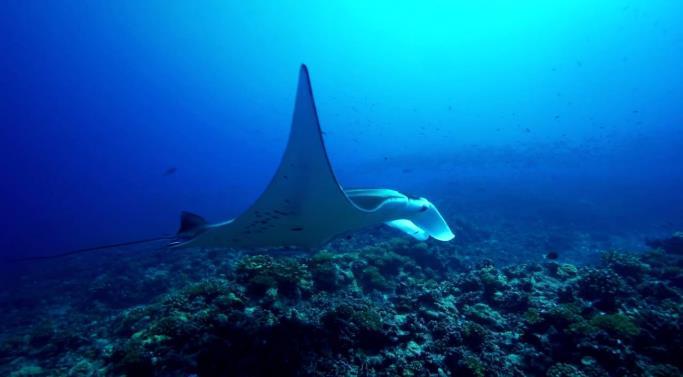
570 111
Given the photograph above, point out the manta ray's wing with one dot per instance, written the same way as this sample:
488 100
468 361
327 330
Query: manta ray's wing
304 204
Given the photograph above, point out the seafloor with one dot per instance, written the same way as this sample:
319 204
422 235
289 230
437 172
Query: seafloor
375 304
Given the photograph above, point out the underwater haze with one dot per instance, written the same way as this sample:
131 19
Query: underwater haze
557 102
548 134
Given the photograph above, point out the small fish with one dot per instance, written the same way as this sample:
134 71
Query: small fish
170 171
552 255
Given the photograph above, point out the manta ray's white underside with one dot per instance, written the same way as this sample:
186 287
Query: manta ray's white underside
305 206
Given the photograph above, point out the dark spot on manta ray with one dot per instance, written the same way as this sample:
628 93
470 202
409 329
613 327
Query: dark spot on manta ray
170 171
423 208
296 229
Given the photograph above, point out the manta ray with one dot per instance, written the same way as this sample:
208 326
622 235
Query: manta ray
305 206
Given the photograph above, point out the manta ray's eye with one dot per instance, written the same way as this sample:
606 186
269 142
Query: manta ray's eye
423 208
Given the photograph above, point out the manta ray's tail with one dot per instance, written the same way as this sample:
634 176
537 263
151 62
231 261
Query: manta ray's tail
88 249
190 226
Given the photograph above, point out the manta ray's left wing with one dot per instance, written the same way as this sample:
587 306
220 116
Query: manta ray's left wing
304 204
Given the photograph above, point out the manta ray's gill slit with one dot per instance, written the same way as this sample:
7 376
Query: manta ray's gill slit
296 229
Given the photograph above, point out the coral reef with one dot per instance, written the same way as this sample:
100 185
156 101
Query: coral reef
673 244
369 306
